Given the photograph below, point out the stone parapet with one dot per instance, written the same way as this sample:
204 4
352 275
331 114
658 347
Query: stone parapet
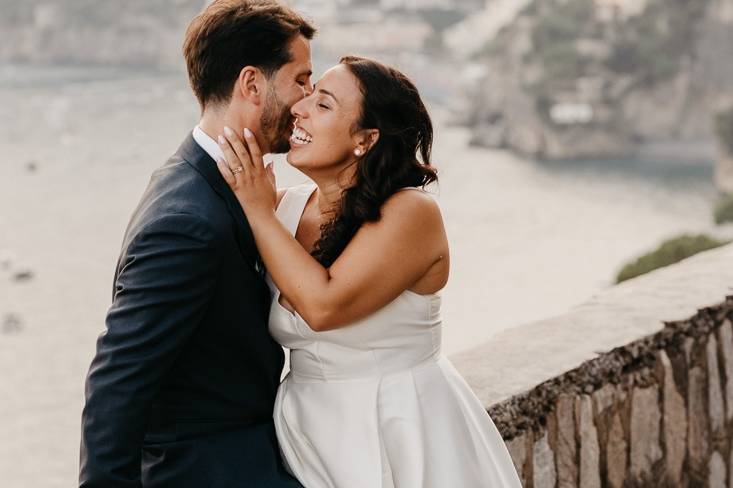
632 388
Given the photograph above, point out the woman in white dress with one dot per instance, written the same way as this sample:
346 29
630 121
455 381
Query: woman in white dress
356 266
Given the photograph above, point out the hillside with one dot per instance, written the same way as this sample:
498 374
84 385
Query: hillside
597 79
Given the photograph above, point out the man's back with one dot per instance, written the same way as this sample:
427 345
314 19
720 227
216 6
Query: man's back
181 390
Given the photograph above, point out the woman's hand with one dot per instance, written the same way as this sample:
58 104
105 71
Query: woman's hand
244 170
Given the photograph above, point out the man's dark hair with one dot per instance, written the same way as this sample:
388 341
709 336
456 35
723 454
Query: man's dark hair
231 34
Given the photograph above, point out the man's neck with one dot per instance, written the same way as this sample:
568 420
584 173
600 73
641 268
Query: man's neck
213 122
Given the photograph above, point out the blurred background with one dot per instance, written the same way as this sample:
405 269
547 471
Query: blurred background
579 142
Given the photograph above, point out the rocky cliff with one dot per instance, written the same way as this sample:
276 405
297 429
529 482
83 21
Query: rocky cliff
598 79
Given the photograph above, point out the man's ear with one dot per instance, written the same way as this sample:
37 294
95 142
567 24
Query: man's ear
250 85
366 139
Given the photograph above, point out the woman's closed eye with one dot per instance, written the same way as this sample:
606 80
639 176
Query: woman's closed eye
324 106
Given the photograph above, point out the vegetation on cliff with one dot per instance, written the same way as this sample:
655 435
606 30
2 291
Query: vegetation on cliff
575 38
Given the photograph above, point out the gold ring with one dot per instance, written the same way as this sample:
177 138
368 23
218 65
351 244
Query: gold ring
238 169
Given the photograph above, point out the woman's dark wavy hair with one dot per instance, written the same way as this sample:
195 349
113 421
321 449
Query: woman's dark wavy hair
391 104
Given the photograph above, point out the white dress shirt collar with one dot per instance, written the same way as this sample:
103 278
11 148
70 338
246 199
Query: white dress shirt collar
207 144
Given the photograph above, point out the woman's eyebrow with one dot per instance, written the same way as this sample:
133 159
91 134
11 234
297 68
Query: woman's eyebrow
326 92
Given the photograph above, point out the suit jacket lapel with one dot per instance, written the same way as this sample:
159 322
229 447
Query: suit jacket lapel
194 155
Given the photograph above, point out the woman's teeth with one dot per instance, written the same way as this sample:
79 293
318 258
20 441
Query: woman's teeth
300 136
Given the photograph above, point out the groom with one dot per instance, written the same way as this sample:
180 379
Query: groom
181 390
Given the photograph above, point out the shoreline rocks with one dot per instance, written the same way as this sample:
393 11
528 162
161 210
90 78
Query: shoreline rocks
11 324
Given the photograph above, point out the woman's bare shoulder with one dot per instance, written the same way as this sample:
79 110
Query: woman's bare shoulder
411 203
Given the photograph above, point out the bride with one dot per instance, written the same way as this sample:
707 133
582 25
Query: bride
356 262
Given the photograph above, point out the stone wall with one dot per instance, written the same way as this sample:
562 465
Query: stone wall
654 411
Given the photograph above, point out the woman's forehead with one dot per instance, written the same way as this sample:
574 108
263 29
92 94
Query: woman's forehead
342 83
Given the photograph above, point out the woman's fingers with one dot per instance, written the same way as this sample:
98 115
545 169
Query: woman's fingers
232 160
239 149
226 173
243 158
254 151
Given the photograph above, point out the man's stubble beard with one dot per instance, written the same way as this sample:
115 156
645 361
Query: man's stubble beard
276 123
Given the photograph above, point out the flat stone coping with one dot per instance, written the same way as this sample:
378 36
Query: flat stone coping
519 359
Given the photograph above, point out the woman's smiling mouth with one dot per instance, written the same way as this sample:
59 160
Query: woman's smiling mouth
300 136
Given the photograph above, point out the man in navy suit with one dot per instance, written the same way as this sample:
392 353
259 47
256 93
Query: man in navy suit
181 390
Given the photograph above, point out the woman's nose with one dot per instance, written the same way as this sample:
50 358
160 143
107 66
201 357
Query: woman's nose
298 109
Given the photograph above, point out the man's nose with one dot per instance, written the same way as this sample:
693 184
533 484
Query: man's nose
308 88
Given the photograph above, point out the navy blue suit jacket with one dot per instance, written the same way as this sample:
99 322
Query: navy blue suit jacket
181 390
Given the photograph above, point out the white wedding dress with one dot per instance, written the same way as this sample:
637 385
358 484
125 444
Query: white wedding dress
375 404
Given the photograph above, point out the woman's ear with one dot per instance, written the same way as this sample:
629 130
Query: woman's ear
250 85
366 139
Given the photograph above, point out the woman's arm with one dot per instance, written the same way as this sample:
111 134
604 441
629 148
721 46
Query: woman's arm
382 260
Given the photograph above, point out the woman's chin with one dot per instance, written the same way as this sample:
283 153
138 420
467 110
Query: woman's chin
301 151
294 157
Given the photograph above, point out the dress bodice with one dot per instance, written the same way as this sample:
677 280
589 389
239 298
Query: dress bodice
401 335
380 390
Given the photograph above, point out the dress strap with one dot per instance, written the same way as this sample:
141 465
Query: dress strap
292 204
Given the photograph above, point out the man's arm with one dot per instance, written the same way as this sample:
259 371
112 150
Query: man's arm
161 294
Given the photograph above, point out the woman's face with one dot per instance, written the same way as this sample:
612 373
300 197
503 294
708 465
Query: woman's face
324 134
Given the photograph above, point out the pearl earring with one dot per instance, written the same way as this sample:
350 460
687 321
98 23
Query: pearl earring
357 152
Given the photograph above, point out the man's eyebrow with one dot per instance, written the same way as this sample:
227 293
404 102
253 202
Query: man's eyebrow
307 72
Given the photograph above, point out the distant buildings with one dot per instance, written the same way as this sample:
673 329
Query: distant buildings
571 113
417 4
611 10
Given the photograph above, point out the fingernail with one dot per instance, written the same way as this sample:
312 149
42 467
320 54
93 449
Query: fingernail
221 139
247 132
228 131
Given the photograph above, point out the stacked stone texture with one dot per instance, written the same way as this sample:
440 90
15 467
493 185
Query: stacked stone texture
657 412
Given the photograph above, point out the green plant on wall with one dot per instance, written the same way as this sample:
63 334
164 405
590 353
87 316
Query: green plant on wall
669 252
724 210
